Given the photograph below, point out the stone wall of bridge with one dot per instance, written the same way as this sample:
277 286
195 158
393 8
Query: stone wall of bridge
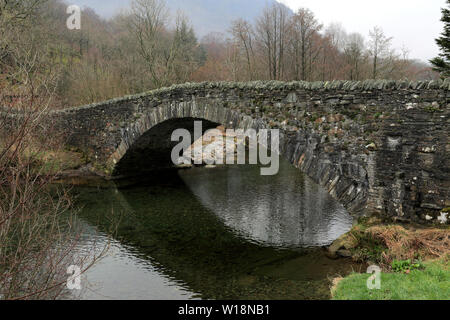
375 145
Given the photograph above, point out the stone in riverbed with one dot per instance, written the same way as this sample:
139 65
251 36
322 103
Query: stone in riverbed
344 253
371 147
184 166
347 242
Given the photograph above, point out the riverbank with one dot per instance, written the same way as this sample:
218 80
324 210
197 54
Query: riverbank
430 282
414 261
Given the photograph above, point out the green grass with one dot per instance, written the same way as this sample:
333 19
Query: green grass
432 283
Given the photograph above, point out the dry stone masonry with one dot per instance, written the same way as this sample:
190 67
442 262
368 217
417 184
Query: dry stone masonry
377 146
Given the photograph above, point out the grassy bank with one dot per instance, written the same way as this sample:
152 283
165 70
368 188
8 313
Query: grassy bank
414 261
430 283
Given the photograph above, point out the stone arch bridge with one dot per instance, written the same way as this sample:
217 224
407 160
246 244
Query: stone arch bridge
375 145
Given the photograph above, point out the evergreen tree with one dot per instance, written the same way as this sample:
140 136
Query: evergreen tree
441 64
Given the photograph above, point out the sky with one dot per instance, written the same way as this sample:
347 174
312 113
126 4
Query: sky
413 24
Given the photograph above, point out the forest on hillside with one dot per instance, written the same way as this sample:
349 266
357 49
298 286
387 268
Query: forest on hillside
150 47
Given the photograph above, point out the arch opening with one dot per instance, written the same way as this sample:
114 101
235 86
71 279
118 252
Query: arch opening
152 151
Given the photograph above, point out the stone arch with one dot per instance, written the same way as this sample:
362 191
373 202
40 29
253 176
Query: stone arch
157 125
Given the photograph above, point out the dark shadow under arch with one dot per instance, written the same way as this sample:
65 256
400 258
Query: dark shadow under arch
152 151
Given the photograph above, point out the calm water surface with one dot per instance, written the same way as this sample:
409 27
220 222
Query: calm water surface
223 233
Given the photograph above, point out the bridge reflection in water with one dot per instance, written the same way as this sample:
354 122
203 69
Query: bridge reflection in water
285 210
223 233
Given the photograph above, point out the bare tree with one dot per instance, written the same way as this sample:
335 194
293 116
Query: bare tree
271 32
182 55
380 48
334 39
337 35
354 51
304 27
148 23
242 33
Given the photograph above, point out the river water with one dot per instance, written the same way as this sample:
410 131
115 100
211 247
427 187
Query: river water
221 233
